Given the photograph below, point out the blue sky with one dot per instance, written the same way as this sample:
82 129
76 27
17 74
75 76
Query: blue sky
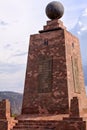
19 19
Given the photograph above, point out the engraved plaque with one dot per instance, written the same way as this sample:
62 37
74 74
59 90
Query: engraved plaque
45 74
75 71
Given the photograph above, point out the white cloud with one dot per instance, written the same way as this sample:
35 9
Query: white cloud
3 23
80 23
85 12
83 28
80 30
12 77
79 33
12 82
14 38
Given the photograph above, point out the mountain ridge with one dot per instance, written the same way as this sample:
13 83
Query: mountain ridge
15 99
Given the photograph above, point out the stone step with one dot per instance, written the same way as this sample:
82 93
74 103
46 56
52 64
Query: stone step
22 129
73 119
29 129
34 125
41 123
49 125
23 125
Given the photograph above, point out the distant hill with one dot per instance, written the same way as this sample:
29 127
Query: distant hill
15 100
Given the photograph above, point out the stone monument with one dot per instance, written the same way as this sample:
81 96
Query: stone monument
54 84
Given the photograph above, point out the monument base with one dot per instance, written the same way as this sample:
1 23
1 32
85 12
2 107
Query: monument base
71 121
43 124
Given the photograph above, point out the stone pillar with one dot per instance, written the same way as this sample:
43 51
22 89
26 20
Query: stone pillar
6 121
74 107
4 109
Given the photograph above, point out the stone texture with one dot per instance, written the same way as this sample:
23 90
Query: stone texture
73 122
5 109
6 121
3 125
74 108
54 10
73 55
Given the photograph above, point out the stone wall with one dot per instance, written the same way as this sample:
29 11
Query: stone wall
3 125
5 109
6 121
75 78
48 100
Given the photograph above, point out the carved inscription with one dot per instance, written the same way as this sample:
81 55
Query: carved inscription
45 74
75 71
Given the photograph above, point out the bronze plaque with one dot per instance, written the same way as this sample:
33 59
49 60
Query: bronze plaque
45 74
75 71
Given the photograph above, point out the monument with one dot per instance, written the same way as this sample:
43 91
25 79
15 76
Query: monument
54 84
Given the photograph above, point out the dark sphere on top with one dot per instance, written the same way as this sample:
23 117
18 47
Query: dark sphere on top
54 10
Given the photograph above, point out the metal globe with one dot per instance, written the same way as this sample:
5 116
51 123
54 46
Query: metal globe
54 10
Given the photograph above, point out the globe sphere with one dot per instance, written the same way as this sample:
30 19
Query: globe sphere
54 10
